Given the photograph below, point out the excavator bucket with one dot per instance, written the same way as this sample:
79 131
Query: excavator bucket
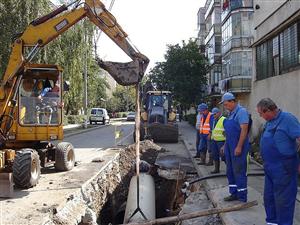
124 73
165 133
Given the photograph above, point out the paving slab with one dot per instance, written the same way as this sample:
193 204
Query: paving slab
255 184
242 217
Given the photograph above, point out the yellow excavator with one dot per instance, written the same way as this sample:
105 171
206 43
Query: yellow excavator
31 94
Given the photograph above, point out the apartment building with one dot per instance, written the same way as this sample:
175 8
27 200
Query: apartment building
276 56
237 36
228 36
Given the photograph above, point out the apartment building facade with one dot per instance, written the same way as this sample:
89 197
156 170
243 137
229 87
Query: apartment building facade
228 36
209 35
237 36
276 56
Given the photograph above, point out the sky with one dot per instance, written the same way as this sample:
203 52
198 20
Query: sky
151 25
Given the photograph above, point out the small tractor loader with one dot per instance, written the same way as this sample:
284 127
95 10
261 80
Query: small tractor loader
29 120
158 120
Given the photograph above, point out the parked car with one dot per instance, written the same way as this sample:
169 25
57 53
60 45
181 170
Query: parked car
99 115
131 116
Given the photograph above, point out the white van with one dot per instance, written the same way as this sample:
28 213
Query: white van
99 115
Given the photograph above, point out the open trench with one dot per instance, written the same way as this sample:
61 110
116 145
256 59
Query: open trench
167 191
102 200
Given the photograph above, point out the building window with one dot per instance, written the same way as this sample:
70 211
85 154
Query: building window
237 63
264 60
275 55
280 54
237 31
289 48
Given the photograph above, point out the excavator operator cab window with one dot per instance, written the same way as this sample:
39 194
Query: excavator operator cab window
40 101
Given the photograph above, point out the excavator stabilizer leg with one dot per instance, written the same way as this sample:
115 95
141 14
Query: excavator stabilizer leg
6 185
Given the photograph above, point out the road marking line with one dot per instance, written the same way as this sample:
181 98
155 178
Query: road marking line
124 138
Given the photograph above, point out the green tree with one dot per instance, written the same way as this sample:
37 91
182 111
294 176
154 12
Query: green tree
68 50
183 73
123 99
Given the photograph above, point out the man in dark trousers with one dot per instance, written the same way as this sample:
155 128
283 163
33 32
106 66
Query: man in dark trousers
217 138
205 134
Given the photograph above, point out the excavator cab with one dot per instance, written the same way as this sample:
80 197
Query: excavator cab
39 104
35 122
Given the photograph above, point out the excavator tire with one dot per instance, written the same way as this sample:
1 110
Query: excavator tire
26 168
164 133
64 156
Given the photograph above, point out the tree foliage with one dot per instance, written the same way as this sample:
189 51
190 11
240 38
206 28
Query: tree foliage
70 50
123 99
183 73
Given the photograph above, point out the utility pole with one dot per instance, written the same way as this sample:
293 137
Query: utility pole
85 81
127 95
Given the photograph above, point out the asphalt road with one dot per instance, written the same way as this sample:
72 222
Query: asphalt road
30 206
87 144
103 137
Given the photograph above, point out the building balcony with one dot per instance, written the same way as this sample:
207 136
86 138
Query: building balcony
230 5
214 58
236 85
214 30
213 90
210 7
236 42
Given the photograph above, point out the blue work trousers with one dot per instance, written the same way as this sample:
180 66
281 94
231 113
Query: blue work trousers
281 176
216 150
204 144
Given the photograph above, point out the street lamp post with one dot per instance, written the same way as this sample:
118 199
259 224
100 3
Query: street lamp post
85 82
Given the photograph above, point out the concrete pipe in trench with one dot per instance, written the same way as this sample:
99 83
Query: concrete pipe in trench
146 199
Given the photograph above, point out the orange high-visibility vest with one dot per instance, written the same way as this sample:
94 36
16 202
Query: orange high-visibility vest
204 125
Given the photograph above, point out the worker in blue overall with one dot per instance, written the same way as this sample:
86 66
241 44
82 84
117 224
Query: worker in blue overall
217 138
236 148
197 126
281 164
205 134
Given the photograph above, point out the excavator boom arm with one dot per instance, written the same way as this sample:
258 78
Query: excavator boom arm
43 30
47 28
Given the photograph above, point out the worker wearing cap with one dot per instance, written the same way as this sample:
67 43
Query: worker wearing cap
236 148
217 138
205 133
197 126
278 148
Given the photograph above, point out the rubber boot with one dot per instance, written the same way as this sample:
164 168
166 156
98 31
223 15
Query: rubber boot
197 156
202 158
217 167
210 160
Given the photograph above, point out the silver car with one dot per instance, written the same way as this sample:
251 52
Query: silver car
131 116
99 115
